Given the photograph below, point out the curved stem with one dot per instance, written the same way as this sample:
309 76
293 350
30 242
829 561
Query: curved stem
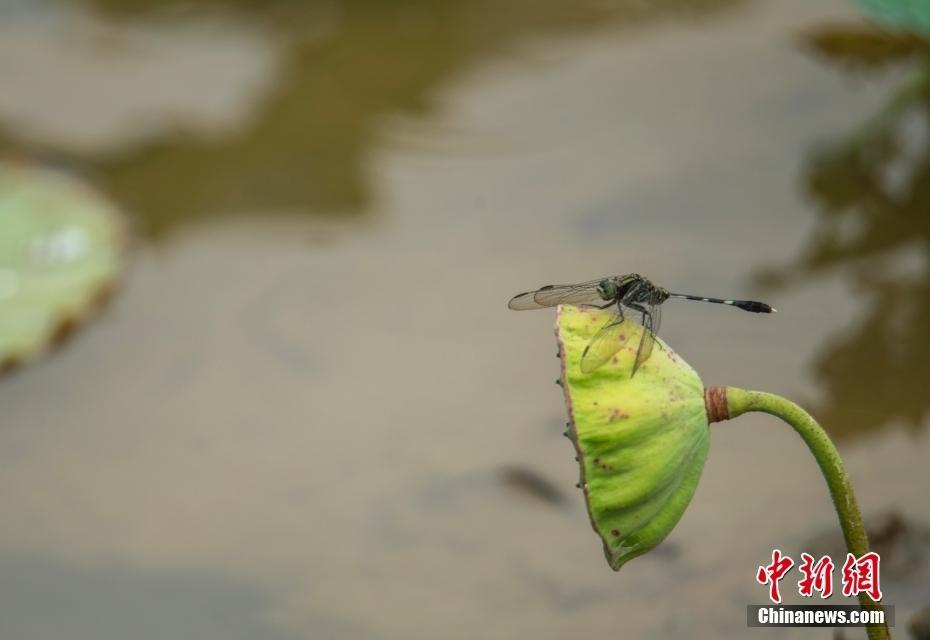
740 401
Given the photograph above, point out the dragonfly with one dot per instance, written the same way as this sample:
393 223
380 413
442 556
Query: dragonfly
630 293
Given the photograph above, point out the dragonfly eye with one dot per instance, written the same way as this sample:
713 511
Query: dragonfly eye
607 290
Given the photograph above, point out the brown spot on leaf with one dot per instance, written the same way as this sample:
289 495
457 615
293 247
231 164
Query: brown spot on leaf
617 414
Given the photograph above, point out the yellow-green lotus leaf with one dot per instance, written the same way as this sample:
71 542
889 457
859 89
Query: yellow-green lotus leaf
60 253
641 439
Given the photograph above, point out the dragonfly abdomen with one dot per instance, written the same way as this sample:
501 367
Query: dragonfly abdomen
746 305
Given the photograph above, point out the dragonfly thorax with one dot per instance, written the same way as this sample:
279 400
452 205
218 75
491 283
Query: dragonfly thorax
659 295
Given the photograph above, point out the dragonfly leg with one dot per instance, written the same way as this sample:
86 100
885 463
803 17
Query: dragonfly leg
638 307
646 314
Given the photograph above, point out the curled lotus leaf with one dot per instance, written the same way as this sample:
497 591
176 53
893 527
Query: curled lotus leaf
641 439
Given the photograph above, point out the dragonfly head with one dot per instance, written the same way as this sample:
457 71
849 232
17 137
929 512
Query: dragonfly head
607 289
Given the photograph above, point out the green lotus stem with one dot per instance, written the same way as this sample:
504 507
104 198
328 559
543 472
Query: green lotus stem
740 401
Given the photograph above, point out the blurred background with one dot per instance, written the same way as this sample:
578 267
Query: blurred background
306 412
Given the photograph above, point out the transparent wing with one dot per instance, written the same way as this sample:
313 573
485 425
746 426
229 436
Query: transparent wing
651 321
555 294
656 312
606 342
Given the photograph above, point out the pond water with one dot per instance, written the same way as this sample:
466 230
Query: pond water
308 413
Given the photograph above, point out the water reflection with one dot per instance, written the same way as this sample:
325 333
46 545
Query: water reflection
345 66
43 598
872 188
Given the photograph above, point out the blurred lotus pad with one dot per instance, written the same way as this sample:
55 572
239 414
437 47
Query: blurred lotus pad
641 440
60 254
913 15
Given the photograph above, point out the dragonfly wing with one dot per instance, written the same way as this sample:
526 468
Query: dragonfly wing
655 312
651 321
605 343
555 294
524 302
